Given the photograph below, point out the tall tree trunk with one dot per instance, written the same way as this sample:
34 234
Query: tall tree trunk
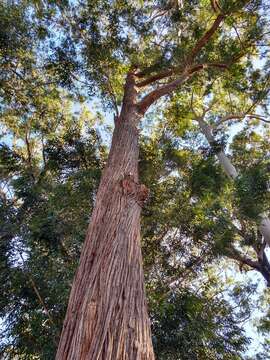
107 315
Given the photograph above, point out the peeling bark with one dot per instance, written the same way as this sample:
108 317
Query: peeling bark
107 315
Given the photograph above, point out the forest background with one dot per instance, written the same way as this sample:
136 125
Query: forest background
204 156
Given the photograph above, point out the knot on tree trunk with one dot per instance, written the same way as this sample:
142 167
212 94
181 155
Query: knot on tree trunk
137 191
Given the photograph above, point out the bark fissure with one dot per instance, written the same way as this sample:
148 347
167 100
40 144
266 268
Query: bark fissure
107 313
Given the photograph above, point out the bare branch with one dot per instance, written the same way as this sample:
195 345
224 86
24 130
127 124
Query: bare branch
157 15
173 85
264 120
238 116
205 38
236 255
154 95
40 299
238 36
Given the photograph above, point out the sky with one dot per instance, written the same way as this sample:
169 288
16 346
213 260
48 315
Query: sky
105 131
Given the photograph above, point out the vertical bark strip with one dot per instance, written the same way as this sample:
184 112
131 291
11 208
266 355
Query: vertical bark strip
107 315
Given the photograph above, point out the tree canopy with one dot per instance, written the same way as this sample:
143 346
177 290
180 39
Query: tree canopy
202 84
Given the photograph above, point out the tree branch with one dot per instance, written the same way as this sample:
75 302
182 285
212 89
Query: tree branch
200 44
236 255
168 88
40 299
151 79
178 70
240 116
205 38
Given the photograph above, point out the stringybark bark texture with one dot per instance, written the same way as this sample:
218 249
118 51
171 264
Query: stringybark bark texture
107 315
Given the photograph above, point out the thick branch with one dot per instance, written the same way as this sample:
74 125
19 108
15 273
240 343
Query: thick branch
151 79
207 66
265 268
156 94
178 70
236 255
232 173
173 85
264 265
205 38
200 44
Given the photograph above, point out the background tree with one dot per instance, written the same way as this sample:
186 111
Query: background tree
165 60
50 236
216 113
45 216
77 337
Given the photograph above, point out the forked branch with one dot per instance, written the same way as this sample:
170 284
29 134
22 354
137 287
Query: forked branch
205 38
156 94
178 70
168 88
190 58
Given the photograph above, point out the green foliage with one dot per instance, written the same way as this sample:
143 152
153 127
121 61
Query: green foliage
212 333
252 193
207 177
51 188
53 55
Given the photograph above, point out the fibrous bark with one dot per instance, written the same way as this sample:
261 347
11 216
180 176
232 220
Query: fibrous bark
107 315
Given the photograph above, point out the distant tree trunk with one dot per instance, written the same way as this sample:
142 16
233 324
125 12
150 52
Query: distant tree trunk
262 265
232 173
107 312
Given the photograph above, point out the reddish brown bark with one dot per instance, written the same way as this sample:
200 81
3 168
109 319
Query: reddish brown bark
107 314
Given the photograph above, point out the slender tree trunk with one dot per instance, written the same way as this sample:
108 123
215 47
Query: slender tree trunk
107 315
262 265
232 173
265 268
